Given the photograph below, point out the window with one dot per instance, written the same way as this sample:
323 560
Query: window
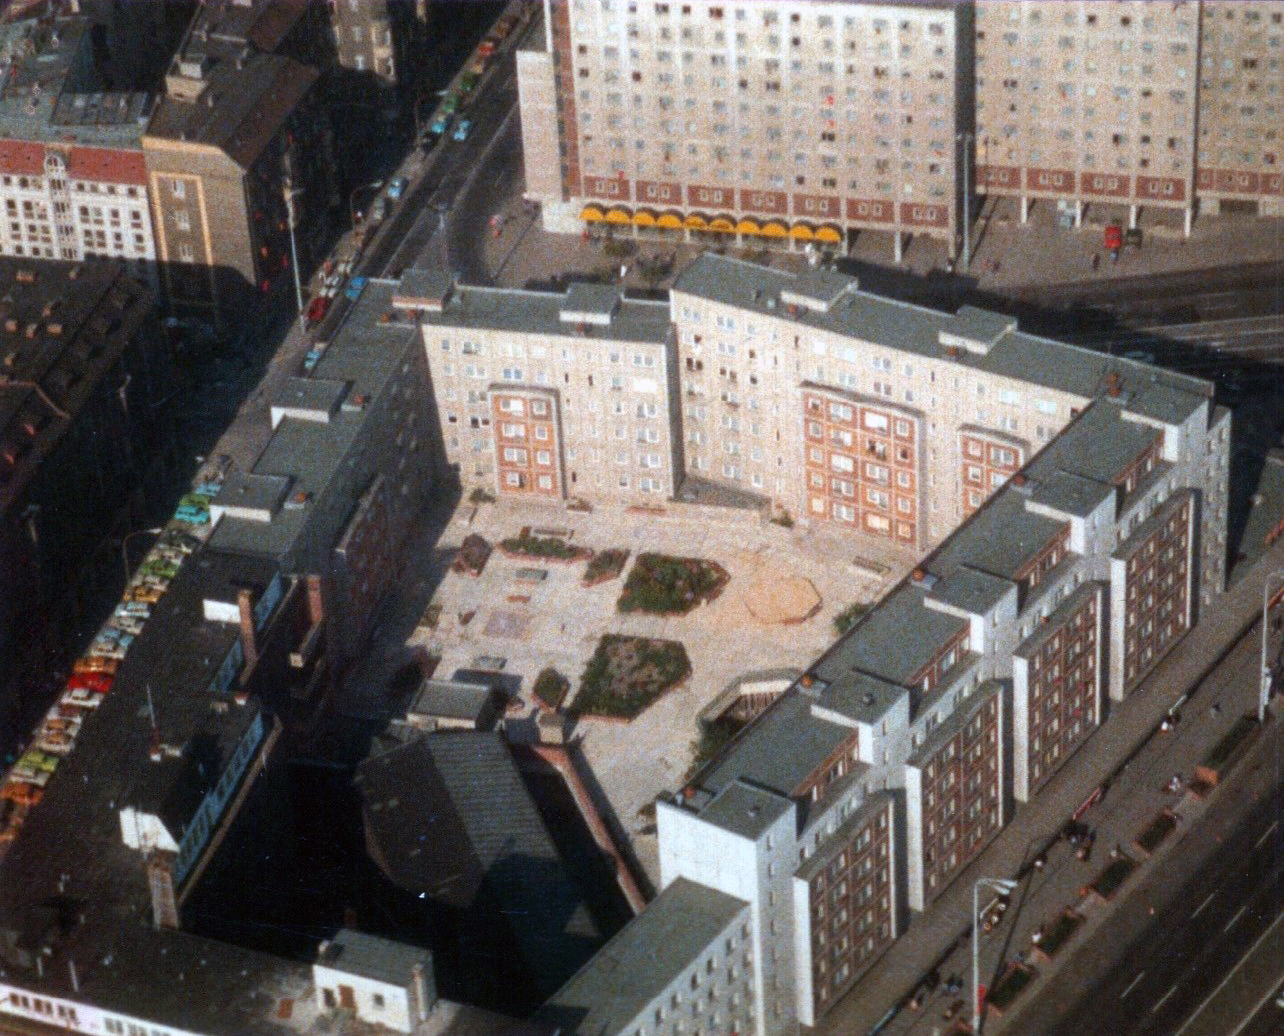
178 188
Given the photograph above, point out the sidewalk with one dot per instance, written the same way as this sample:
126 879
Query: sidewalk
929 936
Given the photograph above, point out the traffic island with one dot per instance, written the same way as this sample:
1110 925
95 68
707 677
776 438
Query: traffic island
627 674
1152 836
1109 881
1011 983
659 584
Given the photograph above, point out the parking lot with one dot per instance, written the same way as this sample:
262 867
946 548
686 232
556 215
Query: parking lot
526 614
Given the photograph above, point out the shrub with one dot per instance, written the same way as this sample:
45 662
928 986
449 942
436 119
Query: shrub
849 616
626 674
550 687
663 585
543 547
480 496
473 554
784 519
714 736
604 565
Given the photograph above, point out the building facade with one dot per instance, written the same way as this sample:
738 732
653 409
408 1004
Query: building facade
827 118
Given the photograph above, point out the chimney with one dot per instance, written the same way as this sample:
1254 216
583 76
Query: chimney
424 999
160 877
1112 384
249 636
316 600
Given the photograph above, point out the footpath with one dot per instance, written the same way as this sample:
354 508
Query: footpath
875 1003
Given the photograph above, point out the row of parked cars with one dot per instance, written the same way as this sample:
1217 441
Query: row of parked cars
94 672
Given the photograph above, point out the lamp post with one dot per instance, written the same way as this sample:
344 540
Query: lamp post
965 139
1003 887
290 191
124 546
352 197
1264 691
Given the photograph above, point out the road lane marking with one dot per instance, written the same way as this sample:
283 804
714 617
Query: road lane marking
1203 904
1238 914
1222 984
1131 984
1267 834
1164 997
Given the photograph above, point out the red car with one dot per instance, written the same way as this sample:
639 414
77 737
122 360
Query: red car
100 682
317 309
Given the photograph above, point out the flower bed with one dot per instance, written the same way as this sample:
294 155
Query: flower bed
1108 881
1152 836
1056 934
1227 752
626 674
547 548
1009 987
662 585
550 688
605 565
473 554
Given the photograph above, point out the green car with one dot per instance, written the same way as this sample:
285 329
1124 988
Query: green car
159 567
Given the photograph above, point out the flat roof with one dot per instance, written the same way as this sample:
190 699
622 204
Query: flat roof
909 328
452 699
746 810
1068 493
861 697
643 960
372 957
970 590
540 312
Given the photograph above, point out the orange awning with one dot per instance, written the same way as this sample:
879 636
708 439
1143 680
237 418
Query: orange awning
773 228
802 232
829 234
748 226
670 221
696 221
620 217
723 224
591 214
644 218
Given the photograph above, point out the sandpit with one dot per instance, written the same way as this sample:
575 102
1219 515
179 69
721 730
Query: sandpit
778 600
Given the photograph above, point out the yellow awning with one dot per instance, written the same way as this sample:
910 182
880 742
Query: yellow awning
723 224
670 221
695 221
748 226
773 228
619 216
591 214
644 218
830 235
802 232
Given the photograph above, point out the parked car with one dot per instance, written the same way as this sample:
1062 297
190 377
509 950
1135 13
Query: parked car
316 310
100 682
195 499
38 759
147 592
355 287
463 129
81 698
158 566
440 124
192 515
487 47
95 664
26 774
398 187
179 541
109 649
28 793
55 742
130 624
312 358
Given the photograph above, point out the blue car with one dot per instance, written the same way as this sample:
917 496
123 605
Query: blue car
353 290
462 130
397 188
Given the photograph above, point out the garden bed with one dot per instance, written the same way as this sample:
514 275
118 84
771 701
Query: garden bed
1057 933
605 565
1227 752
473 554
662 585
550 688
1152 836
1009 986
546 548
626 674
1107 883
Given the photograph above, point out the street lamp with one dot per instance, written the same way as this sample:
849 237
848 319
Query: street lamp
965 139
1003 887
124 546
352 197
290 191
1264 692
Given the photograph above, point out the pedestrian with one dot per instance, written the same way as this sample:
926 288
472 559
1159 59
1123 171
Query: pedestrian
1215 709
1096 261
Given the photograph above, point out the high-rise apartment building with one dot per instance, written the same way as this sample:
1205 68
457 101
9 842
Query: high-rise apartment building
802 122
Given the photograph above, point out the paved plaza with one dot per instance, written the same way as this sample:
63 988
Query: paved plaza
532 613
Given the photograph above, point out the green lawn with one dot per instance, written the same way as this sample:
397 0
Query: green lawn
627 674
663 585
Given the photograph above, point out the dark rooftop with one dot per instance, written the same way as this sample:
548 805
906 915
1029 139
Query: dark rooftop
374 958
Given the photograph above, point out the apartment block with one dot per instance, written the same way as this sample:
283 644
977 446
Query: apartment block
1087 102
738 120
380 38
551 396
72 176
1241 80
